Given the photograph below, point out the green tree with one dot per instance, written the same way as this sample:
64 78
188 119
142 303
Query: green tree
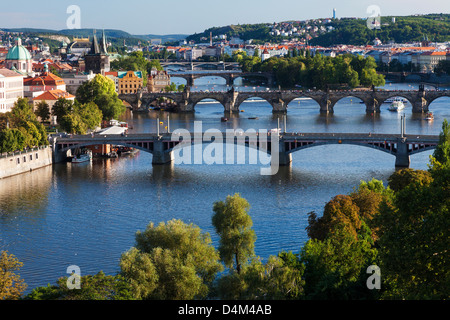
61 108
413 232
400 179
171 261
441 156
43 111
12 285
93 287
234 226
102 91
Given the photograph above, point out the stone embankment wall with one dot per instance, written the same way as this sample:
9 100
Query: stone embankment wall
24 161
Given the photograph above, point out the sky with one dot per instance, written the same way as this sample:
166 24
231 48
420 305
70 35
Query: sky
194 16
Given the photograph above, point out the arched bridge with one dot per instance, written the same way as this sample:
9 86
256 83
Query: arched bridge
279 100
229 76
162 146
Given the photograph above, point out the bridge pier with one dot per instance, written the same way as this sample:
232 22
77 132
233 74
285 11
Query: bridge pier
326 107
402 158
160 155
372 106
58 156
284 157
420 105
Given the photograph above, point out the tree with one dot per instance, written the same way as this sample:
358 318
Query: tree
233 224
400 179
61 108
11 284
43 111
340 212
441 155
171 261
414 240
102 91
93 287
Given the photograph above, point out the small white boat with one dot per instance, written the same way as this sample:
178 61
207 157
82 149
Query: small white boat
82 157
396 106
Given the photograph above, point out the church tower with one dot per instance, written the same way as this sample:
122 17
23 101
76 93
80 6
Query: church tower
97 60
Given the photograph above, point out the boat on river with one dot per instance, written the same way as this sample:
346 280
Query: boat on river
396 106
84 157
429 116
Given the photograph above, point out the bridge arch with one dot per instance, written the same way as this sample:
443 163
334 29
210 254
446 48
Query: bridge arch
437 97
140 146
357 103
204 100
253 97
395 95
376 146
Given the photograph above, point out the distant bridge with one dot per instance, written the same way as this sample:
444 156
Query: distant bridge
229 76
279 100
191 65
402 146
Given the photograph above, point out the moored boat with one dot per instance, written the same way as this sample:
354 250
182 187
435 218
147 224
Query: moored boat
84 157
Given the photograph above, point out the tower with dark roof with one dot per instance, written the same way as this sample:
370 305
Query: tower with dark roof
97 60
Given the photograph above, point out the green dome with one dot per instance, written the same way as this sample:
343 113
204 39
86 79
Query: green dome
18 53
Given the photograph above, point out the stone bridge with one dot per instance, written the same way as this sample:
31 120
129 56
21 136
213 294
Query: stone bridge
162 146
199 65
229 76
279 100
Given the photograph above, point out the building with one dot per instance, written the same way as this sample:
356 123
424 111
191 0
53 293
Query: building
429 60
79 46
19 58
157 81
114 76
35 86
11 88
265 55
97 60
75 80
130 81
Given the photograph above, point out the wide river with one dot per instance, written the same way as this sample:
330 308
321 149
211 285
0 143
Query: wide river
87 214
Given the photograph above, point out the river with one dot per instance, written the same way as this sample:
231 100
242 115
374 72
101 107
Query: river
87 214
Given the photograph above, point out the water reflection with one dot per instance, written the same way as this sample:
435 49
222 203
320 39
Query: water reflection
25 194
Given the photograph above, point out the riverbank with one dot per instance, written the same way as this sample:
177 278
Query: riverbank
12 164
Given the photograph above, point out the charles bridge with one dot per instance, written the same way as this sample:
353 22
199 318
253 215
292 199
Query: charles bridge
232 99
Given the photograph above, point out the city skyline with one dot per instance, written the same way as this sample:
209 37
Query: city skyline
180 17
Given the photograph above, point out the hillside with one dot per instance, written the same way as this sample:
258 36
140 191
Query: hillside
327 32
405 29
112 34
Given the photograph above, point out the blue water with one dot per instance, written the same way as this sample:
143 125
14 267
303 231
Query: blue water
87 214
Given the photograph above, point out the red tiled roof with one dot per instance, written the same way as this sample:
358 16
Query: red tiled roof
54 95
47 78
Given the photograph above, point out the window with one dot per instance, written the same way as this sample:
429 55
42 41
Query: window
18 160
31 157
37 155
24 159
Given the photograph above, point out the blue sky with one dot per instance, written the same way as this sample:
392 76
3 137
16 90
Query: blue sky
190 16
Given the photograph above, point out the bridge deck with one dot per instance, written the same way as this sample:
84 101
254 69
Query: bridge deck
288 136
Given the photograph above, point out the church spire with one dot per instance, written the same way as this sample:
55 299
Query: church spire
95 49
104 49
